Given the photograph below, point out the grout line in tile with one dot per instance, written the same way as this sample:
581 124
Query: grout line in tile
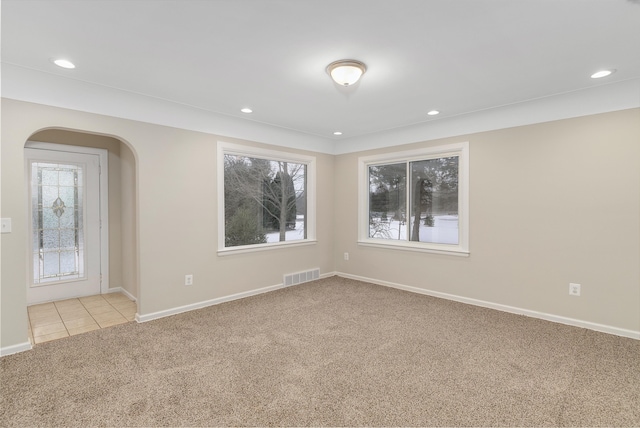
91 302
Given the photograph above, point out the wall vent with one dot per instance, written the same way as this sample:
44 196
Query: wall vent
300 277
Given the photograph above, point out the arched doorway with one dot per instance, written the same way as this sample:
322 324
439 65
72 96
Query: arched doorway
121 271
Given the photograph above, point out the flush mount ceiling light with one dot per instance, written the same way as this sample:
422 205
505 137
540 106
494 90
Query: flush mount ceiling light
246 110
346 72
337 133
64 63
602 73
433 112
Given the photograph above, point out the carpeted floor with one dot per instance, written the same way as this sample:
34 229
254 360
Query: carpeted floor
333 352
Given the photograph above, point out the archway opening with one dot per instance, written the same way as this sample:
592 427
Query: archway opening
122 203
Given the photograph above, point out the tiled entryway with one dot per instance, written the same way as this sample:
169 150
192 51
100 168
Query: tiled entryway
55 320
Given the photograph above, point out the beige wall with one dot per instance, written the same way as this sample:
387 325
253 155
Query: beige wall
550 204
175 187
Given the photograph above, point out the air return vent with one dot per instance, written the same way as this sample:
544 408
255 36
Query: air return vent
300 277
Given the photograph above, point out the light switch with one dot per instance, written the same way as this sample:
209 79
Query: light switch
6 225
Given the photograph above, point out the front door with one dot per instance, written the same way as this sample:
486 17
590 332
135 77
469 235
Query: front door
64 219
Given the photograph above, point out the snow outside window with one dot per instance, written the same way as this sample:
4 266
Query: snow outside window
416 200
266 198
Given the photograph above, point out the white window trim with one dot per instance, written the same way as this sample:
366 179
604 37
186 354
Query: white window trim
458 149
225 148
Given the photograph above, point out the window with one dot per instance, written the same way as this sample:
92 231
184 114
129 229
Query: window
266 198
416 200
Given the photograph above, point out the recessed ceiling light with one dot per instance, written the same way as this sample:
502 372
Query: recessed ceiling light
246 110
433 112
64 63
337 133
602 73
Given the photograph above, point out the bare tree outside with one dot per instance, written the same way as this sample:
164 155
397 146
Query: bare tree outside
270 197
415 200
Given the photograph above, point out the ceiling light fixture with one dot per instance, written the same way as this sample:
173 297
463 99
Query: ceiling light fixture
64 63
602 73
346 72
246 110
337 133
433 112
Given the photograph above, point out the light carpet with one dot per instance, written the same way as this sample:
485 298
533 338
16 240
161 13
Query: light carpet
333 352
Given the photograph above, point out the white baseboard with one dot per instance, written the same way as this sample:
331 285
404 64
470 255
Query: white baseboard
217 301
14 349
123 291
504 308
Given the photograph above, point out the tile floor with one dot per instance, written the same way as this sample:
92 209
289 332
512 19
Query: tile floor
55 320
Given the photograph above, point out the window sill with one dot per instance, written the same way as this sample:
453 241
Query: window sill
407 246
265 247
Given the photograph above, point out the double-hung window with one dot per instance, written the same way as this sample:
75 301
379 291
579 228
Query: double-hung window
266 198
416 200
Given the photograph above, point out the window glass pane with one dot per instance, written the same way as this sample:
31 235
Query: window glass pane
265 200
50 176
51 239
434 201
51 264
66 178
49 196
387 201
67 196
67 219
67 239
68 263
50 220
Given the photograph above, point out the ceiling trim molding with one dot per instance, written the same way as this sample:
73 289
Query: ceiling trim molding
38 87
25 84
595 100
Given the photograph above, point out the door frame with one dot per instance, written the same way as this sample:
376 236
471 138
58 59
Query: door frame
103 174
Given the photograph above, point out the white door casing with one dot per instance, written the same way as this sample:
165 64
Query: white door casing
68 237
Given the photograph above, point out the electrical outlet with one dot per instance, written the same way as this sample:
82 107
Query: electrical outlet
188 280
574 289
346 256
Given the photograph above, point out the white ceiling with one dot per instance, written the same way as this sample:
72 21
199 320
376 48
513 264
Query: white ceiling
456 56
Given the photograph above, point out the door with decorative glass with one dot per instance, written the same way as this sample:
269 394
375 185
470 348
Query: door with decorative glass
64 219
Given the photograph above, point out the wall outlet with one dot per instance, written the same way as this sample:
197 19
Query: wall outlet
574 289
188 280
346 256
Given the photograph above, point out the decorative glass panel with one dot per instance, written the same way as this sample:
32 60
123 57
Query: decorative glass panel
57 218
